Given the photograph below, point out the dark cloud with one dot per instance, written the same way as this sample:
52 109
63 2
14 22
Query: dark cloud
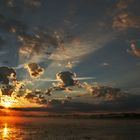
36 97
130 104
65 82
6 74
7 90
7 81
65 78
104 92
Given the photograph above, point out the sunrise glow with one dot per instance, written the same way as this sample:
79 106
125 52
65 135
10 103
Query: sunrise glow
6 102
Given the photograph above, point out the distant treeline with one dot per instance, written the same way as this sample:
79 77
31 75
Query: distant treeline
115 115
99 116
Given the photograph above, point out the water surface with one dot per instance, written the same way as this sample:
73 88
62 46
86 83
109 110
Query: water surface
31 128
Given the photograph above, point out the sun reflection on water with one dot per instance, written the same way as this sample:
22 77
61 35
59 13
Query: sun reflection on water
5 131
9 132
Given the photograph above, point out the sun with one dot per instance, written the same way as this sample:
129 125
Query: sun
6 102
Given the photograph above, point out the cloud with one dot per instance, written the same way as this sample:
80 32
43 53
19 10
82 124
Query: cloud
93 93
104 93
26 97
134 50
77 44
124 21
38 46
70 49
8 82
55 46
36 97
105 64
7 74
34 70
7 90
56 102
61 56
33 3
123 4
97 97
70 64
134 90
130 103
123 18
65 78
12 25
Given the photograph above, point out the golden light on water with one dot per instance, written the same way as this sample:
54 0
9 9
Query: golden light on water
5 131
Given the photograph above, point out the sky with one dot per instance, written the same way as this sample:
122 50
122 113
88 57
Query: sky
71 55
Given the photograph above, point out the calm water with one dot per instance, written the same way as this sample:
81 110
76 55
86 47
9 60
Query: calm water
22 128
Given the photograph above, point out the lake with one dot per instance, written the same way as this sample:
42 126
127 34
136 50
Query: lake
35 128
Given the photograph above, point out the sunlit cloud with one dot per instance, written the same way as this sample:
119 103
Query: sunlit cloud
34 70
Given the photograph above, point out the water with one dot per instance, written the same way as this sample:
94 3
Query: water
31 128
